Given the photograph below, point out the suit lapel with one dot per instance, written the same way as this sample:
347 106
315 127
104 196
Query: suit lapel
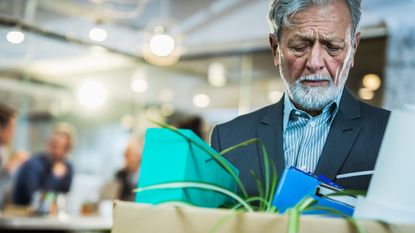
343 133
270 133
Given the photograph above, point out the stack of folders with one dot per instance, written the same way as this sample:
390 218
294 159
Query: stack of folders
295 185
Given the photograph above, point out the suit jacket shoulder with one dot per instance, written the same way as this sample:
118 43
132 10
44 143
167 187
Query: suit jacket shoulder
370 111
260 124
239 129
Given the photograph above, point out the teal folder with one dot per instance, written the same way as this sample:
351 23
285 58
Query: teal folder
168 156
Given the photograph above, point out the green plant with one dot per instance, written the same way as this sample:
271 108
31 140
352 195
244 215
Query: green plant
265 191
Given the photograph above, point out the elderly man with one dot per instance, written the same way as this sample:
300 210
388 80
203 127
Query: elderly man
47 171
318 126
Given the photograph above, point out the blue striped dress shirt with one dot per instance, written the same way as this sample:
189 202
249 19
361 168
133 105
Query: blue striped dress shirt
304 136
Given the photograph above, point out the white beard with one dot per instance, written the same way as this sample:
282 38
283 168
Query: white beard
312 98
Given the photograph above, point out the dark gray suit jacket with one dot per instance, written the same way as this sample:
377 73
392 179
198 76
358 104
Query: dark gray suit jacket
352 144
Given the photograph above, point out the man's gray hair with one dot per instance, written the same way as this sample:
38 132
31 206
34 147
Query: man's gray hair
281 11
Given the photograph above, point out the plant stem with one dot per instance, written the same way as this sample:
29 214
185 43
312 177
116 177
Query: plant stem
199 185
268 194
252 199
293 220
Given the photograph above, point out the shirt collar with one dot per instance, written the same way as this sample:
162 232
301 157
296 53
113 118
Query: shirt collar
289 107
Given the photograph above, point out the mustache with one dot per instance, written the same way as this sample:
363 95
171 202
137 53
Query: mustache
315 77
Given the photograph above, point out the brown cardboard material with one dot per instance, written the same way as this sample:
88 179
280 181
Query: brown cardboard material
140 218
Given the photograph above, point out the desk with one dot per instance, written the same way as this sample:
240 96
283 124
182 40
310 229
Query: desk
63 224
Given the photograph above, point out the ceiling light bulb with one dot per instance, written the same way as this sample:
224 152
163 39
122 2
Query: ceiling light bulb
15 37
139 85
98 34
161 45
201 100
92 94
371 82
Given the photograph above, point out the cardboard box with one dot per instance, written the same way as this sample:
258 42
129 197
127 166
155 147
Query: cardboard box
169 157
133 218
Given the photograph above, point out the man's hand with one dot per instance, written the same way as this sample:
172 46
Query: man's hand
59 169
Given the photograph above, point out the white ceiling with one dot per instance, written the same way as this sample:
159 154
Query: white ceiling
63 55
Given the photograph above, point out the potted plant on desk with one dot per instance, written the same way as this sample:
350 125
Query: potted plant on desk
242 202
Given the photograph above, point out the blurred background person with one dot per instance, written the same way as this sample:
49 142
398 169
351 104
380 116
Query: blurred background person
194 123
8 119
8 164
128 176
47 171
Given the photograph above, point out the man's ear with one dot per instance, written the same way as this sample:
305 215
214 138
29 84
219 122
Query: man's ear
355 45
273 43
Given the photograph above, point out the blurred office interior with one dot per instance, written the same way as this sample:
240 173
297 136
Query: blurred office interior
107 66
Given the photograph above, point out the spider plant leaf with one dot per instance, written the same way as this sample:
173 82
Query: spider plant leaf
260 188
176 204
274 182
305 203
242 144
199 185
268 192
252 199
293 220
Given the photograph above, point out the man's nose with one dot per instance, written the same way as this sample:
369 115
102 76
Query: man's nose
315 60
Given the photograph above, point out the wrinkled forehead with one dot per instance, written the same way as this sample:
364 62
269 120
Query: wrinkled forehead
322 36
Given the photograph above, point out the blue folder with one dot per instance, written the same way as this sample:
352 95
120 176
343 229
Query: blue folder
295 184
